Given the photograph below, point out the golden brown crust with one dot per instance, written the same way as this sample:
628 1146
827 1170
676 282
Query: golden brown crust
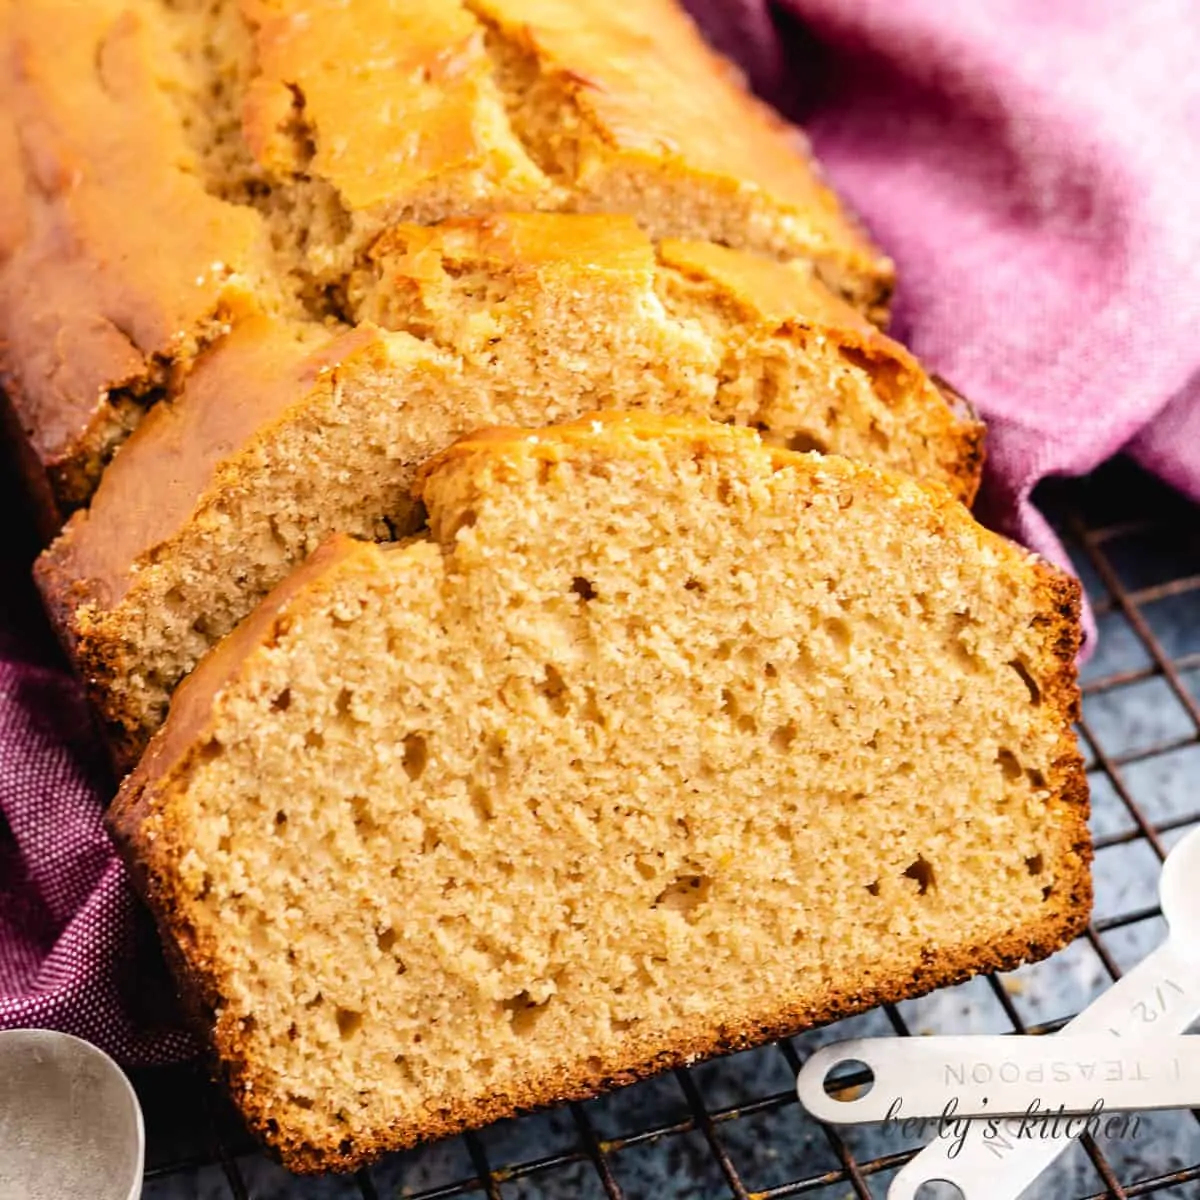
185 735
427 84
109 114
1060 613
115 257
247 380
766 290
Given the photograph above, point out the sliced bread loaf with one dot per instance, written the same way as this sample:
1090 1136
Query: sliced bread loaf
167 164
659 742
285 432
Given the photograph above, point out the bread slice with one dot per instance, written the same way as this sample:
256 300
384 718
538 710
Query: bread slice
284 433
659 742
263 147
780 350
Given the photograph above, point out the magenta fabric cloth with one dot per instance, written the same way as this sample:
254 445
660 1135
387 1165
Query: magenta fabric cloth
1034 168
76 951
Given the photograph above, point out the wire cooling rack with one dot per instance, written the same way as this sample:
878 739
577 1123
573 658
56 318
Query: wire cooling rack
733 1127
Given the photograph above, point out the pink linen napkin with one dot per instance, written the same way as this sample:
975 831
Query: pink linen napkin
77 952
1034 168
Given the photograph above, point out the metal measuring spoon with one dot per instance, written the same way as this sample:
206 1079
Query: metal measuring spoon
70 1124
1159 997
1034 1077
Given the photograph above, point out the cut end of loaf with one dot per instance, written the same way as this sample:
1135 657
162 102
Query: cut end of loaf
660 742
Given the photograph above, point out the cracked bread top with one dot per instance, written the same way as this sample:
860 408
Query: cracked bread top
169 165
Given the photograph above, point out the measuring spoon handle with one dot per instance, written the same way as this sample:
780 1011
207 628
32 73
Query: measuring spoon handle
972 1076
997 1159
1161 995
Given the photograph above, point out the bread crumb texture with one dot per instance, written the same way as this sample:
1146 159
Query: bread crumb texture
167 166
658 741
286 431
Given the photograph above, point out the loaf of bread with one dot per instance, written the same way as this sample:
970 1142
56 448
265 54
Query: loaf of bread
167 166
286 431
658 741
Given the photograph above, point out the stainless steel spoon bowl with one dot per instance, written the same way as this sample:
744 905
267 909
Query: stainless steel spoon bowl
70 1123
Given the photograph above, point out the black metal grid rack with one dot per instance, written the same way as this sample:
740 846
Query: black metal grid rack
733 1127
